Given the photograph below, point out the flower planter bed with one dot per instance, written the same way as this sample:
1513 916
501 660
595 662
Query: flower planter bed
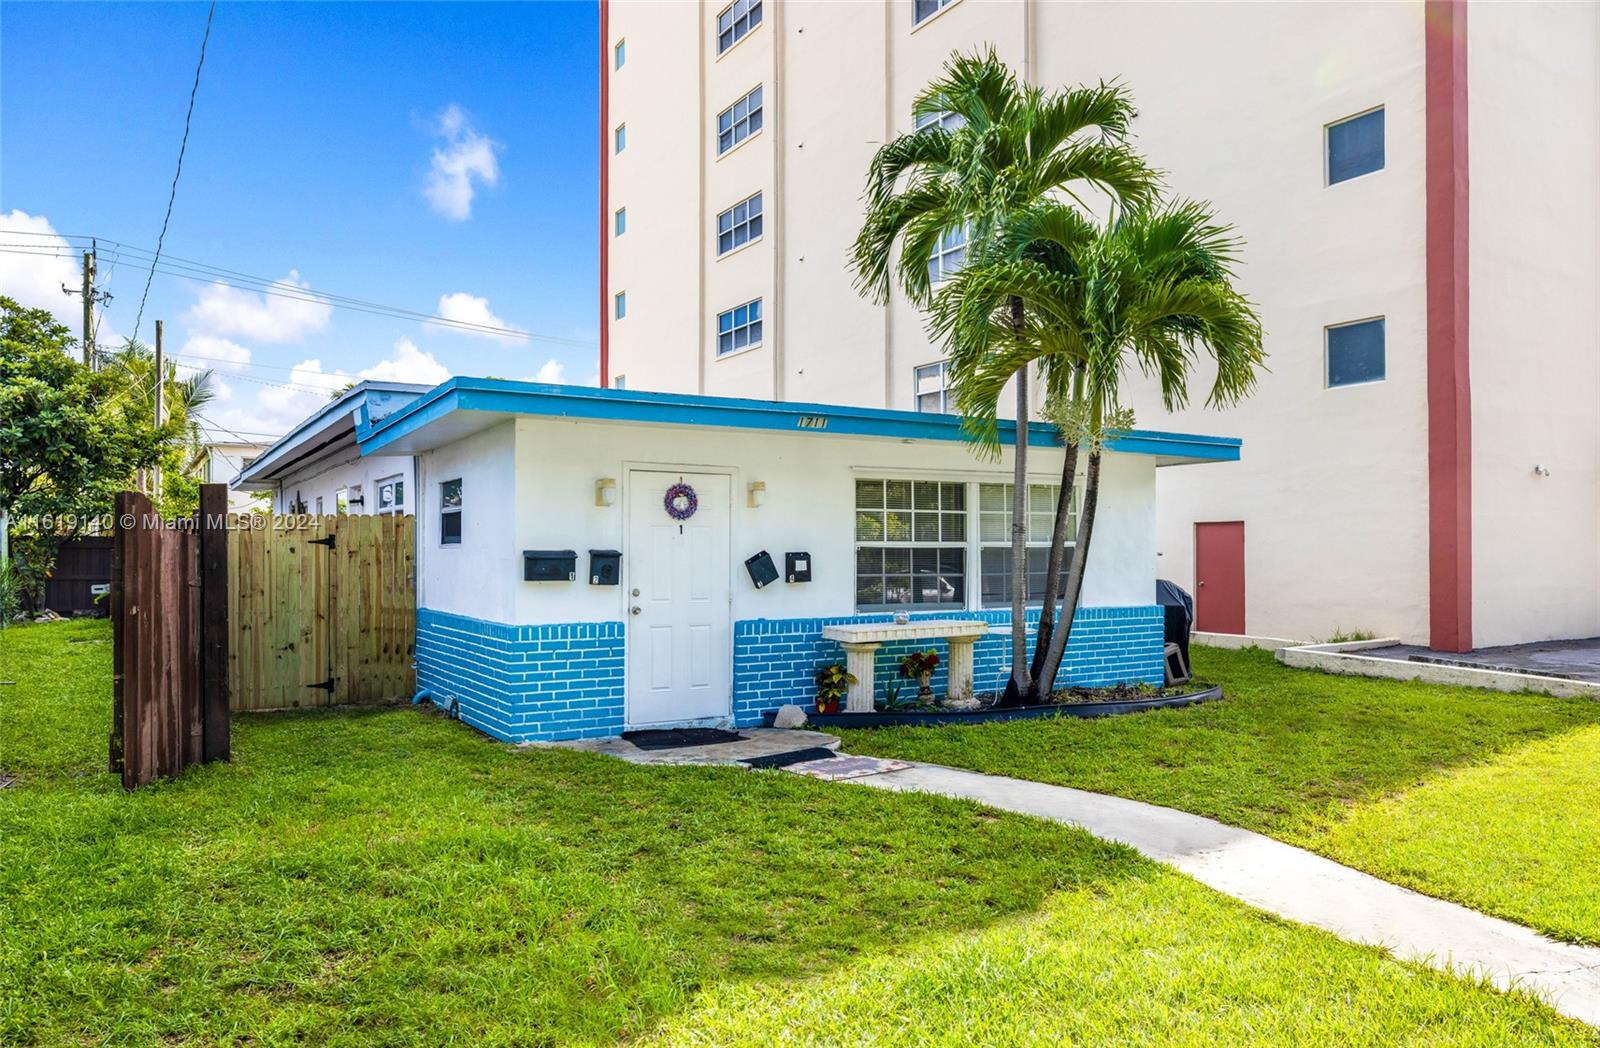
1077 708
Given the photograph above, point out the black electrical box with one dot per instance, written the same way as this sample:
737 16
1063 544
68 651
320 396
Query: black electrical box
605 567
797 567
549 565
762 571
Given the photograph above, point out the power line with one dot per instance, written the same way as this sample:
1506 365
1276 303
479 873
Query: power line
171 265
182 146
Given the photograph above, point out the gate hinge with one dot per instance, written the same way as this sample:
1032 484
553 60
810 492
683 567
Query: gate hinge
331 541
326 685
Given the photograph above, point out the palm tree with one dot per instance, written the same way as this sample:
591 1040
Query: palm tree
181 402
1011 146
1150 288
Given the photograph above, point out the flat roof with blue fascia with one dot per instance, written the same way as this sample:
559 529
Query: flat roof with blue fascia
462 406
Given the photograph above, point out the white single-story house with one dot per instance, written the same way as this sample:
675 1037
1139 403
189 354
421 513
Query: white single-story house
588 559
317 467
219 461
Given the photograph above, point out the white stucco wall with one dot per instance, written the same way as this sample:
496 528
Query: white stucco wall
547 501
326 483
1533 112
480 575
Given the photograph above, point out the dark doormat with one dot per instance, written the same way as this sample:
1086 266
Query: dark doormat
783 760
678 738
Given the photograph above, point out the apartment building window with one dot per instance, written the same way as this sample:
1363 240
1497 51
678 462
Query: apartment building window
621 136
619 382
619 54
739 121
620 304
948 256
931 387
739 328
911 544
620 221
1355 353
994 540
925 9
391 495
1355 146
450 513
736 21
940 118
739 225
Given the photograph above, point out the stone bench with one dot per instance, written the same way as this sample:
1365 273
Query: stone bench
860 642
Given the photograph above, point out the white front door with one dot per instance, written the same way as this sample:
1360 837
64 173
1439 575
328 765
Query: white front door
680 653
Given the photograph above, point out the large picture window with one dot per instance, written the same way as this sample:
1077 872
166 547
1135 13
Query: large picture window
911 544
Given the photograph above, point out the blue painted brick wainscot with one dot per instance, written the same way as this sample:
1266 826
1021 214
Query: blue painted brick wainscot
775 660
524 683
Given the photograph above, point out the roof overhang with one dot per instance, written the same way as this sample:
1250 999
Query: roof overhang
463 406
328 437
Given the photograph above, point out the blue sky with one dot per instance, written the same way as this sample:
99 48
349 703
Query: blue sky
437 157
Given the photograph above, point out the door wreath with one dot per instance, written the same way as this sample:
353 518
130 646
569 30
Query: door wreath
681 502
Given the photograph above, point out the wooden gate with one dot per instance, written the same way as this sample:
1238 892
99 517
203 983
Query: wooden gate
322 611
168 638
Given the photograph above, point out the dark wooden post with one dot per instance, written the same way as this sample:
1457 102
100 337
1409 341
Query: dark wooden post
119 542
214 622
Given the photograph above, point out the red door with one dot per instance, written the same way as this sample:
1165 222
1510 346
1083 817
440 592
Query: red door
1219 577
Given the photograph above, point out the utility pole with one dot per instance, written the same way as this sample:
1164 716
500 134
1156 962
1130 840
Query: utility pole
161 382
88 308
90 297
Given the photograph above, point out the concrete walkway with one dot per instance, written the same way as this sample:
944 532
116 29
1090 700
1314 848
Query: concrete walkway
1296 884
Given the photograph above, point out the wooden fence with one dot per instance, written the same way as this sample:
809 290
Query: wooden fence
169 638
322 611
81 564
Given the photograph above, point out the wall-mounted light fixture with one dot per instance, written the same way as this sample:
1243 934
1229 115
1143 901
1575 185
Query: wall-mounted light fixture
756 494
605 491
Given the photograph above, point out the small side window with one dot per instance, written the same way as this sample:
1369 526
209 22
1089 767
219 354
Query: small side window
450 513
621 137
391 495
1356 353
620 52
1355 146
620 303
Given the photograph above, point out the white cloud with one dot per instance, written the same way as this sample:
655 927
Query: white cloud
466 156
224 310
219 354
551 371
35 279
409 364
471 309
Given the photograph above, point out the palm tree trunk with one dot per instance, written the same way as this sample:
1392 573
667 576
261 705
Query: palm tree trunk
1052 581
1080 558
1021 683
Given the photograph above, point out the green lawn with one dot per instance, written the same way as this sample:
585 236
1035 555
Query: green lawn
1477 796
392 877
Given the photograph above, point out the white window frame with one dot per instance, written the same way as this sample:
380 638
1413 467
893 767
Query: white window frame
940 7
911 544
399 505
751 121
746 11
619 138
619 306
754 327
1041 524
1327 147
948 255
619 381
1327 352
755 217
619 53
446 510
619 222
941 368
943 118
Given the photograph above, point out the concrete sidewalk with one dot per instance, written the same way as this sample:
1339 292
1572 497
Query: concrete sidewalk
1296 884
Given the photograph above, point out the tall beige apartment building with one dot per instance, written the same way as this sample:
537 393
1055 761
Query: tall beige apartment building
1419 187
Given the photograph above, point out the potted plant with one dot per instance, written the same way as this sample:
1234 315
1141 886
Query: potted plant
833 682
919 666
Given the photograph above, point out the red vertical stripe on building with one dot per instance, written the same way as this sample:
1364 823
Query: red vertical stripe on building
605 195
1449 384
